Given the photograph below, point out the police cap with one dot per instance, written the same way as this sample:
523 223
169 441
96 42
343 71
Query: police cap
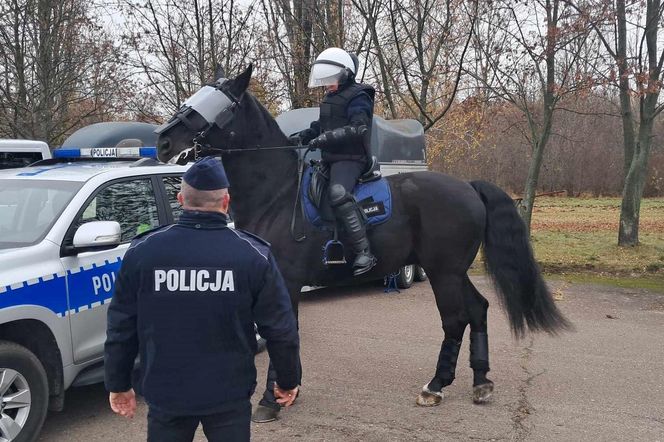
207 174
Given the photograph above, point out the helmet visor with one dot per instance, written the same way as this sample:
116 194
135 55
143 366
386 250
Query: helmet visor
323 74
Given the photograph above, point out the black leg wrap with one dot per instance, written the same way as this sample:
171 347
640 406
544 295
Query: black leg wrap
479 351
447 361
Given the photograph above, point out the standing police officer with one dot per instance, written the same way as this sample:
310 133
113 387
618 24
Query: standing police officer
346 113
186 299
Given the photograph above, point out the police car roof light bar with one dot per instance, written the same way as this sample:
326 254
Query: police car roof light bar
106 152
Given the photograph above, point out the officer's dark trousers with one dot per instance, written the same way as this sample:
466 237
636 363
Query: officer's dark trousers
346 173
229 426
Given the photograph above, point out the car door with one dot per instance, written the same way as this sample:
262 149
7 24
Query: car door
91 275
171 186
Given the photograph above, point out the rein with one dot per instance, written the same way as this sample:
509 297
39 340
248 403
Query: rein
198 147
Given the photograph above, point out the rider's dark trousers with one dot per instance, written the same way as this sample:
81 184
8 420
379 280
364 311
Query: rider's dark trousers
346 173
228 426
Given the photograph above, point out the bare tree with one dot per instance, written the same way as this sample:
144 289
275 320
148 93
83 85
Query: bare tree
631 35
648 79
370 11
430 38
532 63
291 30
177 46
59 69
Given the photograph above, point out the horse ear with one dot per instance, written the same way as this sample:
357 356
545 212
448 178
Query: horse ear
241 82
218 72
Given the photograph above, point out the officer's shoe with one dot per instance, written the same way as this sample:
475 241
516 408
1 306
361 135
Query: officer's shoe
263 414
364 261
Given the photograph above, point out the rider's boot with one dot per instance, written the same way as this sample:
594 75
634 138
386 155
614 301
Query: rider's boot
347 211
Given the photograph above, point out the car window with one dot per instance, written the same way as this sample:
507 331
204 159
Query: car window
130 203
9 160
172 185
28 209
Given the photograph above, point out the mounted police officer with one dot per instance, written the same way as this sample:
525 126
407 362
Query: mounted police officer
341 133
186 299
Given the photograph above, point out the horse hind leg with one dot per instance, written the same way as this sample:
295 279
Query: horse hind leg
476 308
448 290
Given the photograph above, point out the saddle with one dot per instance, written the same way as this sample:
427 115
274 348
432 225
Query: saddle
372 193
320 178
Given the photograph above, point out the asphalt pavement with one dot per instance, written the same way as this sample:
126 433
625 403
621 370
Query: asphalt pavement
366 355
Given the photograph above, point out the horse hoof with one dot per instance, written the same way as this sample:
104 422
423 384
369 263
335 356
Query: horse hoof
428 398
482 393
264 414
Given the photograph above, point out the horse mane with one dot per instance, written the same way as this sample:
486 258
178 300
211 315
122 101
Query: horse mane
269 122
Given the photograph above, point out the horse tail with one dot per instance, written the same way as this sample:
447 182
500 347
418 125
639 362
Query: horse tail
509 260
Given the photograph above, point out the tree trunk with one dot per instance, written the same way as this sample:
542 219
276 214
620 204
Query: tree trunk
530 190
526 208
46 21
301 48
628 233
629 138
213 43
21 105
385 79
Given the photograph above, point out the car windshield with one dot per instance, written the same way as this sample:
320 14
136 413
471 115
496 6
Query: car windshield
28 209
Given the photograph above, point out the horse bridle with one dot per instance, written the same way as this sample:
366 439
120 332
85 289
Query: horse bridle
217 106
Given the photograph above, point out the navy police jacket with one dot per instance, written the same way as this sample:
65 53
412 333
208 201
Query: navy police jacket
186 298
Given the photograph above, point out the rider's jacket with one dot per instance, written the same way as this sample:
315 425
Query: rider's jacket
351 105
186 299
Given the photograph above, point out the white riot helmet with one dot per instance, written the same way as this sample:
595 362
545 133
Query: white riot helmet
332 66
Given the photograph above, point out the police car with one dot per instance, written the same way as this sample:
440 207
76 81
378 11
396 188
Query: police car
65 224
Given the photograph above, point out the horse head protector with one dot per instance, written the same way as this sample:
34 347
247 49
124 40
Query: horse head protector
213 103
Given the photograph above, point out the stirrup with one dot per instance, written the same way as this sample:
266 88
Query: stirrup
333 251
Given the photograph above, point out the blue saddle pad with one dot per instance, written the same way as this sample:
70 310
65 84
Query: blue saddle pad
374 197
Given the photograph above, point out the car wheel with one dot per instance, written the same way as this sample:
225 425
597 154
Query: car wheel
420 274
405 278
23 393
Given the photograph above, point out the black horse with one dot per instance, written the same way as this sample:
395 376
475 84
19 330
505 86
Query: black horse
438 222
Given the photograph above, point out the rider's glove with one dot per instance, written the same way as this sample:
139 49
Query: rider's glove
320 141
337 137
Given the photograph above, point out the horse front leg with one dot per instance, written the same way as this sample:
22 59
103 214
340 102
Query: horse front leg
268 408
448 289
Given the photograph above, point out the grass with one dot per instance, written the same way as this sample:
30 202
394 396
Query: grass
579 236
577 239
584 251
654 283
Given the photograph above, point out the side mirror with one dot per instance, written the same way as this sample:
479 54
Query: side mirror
97 235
